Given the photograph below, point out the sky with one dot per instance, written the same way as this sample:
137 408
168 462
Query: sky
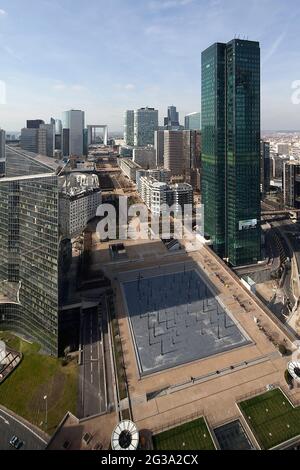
106 56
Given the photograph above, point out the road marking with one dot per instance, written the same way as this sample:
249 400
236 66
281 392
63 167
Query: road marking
24 426
5 420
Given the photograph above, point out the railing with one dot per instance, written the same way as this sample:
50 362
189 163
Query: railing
258 391
178 422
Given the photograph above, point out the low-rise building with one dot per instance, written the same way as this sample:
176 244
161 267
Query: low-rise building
129 168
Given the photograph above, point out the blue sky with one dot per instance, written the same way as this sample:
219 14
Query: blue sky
108 56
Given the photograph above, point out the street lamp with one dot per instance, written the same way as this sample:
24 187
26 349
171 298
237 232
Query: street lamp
46 400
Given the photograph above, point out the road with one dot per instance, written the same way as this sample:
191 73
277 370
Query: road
92 370
11 425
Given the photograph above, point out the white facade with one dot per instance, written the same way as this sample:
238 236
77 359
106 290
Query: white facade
155 194
80 196
129 168
74 121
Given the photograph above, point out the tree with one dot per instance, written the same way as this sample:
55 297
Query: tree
282 349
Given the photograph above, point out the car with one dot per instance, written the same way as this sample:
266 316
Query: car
16 442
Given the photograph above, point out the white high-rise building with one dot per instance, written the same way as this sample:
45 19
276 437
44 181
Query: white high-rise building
73 132
145 125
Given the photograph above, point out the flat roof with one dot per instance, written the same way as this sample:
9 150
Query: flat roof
49 162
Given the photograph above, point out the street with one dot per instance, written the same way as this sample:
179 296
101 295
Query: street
11 425
92 370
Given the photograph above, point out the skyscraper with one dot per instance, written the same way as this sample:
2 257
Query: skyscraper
231 149
192 122
30 248
129 127
145 124
73 135
34 123
50 138
172 120
2 151
34 140
159 144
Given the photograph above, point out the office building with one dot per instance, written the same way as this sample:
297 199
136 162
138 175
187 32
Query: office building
31 249
145 156
156 194
192 122
50 138
181 151
265 167
73 133
283 149
34 123
172 120
159 145
129 128
79 199
129 168
145 124
174 158
159 174
58 133
291 184
34 140
2 152
231 149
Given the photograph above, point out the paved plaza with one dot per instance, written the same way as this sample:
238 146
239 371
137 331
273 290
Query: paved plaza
176 319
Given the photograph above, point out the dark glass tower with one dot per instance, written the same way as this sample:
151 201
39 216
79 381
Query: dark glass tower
231 149
213 144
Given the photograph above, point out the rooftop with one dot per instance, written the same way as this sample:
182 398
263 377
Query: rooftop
48 162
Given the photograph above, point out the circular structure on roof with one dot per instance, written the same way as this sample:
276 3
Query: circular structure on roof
294 370
125 436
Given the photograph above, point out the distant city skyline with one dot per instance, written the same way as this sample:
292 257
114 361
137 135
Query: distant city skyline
58 55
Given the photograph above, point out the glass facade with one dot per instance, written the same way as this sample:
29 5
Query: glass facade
29 252
231 149
145 125
129 128
192 122
213 144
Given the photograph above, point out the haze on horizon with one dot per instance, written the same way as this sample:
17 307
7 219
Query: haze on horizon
105 57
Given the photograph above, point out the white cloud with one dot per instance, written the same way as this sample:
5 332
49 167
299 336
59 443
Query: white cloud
2 12
61 86
168 4
129 86
77 87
